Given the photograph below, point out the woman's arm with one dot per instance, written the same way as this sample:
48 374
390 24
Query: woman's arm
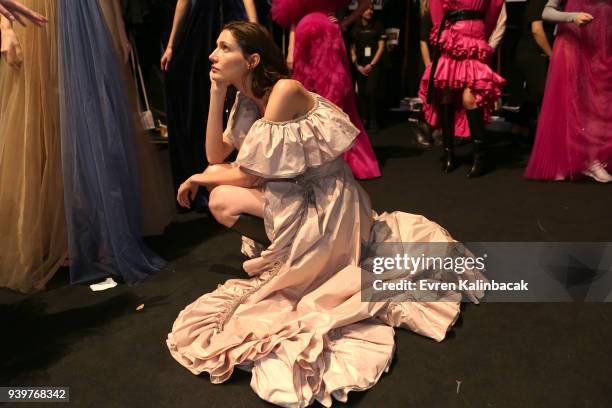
179 12
5 24
10 45
500 28
291 46
552 12
425 53
226 177
217 149
251 10
539 35
12 10
379 52
222 176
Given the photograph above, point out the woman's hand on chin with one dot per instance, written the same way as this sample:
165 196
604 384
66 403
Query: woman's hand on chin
186 193
218 86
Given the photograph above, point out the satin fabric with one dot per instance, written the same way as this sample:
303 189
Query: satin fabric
99 153
32 223
464 61
320 63
298 323
574 123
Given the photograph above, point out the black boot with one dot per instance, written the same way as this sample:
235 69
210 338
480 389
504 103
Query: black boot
476 122
252 227
447 113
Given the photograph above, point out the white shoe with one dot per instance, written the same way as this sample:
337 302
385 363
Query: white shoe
597 171
108 283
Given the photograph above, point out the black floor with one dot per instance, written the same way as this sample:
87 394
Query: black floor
500 355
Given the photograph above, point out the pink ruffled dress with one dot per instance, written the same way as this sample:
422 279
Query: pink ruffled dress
320 63
464 61
297 322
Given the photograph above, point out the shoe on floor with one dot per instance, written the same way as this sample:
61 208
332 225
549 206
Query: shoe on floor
597 171
108 283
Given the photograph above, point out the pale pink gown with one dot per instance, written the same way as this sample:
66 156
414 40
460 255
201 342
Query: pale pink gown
298 322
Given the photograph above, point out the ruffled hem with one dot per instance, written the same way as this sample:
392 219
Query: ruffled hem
323 367
287 149
438 316
205 346
484 83
455 44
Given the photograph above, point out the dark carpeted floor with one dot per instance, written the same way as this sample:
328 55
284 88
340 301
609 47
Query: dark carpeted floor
499 355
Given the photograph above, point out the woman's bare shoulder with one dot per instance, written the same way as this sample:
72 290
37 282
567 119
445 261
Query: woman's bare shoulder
288 99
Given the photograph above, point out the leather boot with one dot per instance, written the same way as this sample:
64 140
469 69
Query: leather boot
447 113
477 129
252 227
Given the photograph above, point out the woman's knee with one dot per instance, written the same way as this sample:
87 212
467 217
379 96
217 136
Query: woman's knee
218 203
469 101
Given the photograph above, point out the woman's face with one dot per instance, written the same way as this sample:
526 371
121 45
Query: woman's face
228 62
368 13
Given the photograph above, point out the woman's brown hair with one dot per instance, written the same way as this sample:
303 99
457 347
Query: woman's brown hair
254 38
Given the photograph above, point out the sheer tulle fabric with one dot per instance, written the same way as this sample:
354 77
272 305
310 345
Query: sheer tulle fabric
299 323
32 220
319 48
157 203
464 61
574 123
99 155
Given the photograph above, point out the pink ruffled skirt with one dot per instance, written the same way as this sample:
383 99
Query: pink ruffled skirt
464 63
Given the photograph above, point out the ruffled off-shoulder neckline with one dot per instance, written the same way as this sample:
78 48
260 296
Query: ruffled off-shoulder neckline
286 149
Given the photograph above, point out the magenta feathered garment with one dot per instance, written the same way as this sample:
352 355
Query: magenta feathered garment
464 59
574 124
320 63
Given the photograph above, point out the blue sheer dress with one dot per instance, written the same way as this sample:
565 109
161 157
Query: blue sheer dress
99 157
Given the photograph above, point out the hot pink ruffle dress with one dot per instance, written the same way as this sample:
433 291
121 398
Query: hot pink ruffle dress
465 56
320 63
298 322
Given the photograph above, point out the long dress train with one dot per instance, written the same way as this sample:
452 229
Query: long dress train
299 324
320 63
32 220
574 123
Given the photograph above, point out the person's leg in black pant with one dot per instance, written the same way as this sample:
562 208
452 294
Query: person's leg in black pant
446 111
373 100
